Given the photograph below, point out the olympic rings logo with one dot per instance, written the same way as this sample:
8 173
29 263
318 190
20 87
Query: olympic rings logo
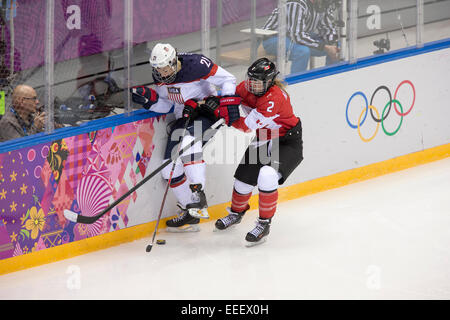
386 110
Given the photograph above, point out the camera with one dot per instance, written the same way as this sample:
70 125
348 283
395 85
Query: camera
382 44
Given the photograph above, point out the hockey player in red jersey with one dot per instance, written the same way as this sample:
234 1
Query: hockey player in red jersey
182 80
274 153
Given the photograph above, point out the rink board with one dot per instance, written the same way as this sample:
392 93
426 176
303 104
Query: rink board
343 144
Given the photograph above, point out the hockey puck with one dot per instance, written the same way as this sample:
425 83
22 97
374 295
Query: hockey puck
160 241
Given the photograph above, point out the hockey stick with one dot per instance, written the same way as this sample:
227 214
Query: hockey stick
150 246
78 218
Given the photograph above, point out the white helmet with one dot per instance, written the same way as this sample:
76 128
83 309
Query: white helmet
163 55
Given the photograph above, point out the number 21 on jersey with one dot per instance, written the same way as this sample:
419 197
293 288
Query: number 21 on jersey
205 61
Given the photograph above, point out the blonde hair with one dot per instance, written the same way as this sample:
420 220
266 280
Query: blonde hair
281 84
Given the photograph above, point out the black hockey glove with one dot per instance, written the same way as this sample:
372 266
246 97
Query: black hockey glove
144 96
210 105
226 107
190 109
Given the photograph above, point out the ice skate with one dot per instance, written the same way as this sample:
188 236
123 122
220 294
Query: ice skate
259 234
232 219
183 222
198 208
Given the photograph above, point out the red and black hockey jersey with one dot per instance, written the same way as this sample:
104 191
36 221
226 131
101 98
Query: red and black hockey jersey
271 115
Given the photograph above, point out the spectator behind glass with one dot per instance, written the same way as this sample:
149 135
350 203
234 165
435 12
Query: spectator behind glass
311 31
22 118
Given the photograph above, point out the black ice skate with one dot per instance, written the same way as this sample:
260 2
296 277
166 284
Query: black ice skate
231 219
198 207
184 222
259 234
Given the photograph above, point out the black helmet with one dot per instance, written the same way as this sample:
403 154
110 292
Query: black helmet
263 70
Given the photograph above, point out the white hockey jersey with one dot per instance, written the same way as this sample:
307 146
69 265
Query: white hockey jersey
197 79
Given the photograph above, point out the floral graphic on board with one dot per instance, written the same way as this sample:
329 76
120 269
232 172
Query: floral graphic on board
58 153
36 221
82 173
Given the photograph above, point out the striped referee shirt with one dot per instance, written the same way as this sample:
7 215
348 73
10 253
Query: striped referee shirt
302 21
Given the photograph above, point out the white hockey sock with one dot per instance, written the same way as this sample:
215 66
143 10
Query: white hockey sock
179 184
196 172
182 191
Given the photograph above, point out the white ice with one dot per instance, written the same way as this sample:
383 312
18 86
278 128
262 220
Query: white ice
385 238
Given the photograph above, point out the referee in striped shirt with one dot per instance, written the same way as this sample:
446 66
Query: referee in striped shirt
311 31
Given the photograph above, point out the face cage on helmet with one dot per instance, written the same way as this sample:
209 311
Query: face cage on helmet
256 86
169 79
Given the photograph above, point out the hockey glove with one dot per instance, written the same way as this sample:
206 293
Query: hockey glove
228 109
210 106
190 108
144 96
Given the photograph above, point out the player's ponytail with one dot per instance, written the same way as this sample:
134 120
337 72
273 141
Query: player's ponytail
280 84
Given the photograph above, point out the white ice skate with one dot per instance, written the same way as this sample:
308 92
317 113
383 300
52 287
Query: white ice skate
198 207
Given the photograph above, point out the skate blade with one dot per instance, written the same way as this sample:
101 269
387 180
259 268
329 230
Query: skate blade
183 229
253 244
199 213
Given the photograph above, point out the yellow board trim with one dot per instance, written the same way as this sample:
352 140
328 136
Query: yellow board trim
217 211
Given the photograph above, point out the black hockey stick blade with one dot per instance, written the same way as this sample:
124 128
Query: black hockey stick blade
78 218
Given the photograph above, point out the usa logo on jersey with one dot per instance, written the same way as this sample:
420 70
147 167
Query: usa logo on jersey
174 94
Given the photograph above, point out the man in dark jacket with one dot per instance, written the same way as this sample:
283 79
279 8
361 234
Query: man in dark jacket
22 118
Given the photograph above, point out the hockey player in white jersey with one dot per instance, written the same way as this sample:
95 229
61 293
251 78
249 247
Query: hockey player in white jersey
183 79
